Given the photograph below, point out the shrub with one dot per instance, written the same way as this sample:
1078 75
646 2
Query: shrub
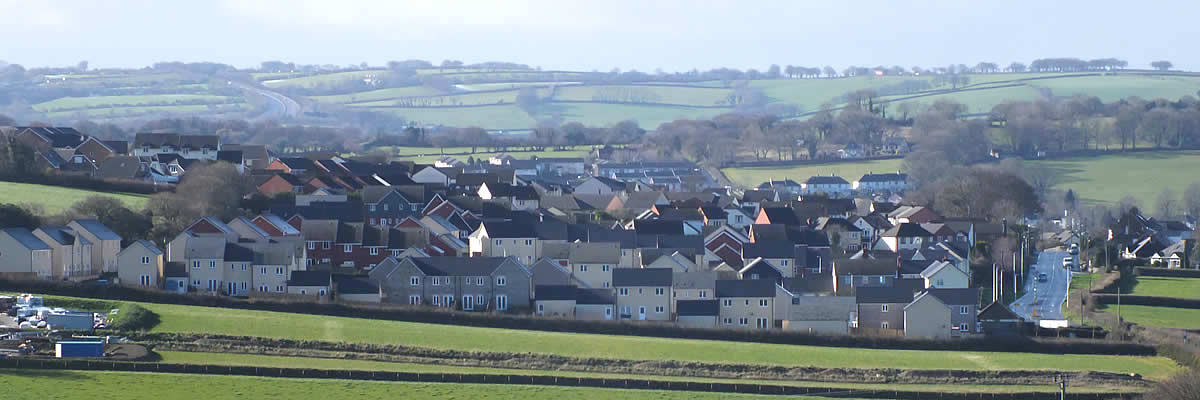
135 318
1167 272
1185 386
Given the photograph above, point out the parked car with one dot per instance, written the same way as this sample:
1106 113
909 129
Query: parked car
1042 277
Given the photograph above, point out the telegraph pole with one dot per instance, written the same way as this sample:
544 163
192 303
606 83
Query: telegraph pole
1062 386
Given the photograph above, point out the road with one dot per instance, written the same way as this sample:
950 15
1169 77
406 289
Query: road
1043 300
279 106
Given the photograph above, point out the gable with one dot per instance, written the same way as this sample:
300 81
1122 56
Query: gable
204 226
266 226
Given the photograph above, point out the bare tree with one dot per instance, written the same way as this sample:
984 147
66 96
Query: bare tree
1191 200
1127 203
1167 203
1162 65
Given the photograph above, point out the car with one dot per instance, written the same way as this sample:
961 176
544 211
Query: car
1068 262
1042 277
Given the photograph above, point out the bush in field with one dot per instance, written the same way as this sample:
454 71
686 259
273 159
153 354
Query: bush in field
1185 386
135 318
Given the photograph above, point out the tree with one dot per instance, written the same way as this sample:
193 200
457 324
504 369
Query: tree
209 190
1167 203
1016 67
82 66
1191 200
1070 201
773 72
830 72
6 121
14 216
112 213
1128 202
1162 65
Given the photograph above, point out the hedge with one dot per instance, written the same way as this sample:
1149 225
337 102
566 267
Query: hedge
89 183
1168 272
1155 301
626 328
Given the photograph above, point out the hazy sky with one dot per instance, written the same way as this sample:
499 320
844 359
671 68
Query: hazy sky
641 34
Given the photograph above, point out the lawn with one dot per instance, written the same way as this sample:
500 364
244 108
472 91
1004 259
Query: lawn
312 81
375 95
1113 88
977 101
1094 178
68 103
255 360
1166 317
54 198
1188 288
490 117
810 94
646 94
1078 282
87 385
752 176
176 318
648 116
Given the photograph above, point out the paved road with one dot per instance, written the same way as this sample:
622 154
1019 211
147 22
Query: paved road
279 106
1043 300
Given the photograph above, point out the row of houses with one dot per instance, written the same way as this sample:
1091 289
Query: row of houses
836 186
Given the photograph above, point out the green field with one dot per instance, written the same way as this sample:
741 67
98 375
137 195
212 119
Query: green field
323 79
116 112
980 101
1166 317
646 94
648 117
88 385
752 176
466 99
1106 179
255 360
1187 288
55 198
1113 88
189 319
491 117
375 95
129 101
511 85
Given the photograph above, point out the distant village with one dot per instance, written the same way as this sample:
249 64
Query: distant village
570 238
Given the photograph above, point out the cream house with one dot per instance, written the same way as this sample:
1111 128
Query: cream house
754 303
23 255
945 275
643 293
105 243
140 264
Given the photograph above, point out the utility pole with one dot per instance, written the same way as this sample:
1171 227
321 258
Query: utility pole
1062 386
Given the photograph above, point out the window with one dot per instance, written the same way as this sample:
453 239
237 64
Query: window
762 323
279 288
659 291
467 281
607 312
500 281
642 310
498 242
371 208
212 265
374 251
501 302
883 308
325 245
262 270
604 268
262 288
541 309
279 270
737 219
783 262
883 325
145 260
753 276
414 300
528 242
437 281
940 283
747 301
385 207
437 300
882 279
347 248
479 281
196 283
658 309
145 280
469 302
395 253
582 267
727 302
479 300
245 267
312 245
605 284
964 328
703 294
743 321
763 302
964 310
414 281
623 291
727 321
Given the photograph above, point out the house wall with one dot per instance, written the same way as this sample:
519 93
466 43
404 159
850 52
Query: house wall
555 308
597 275
595 311
237 277
927 318
206 274
314 291
272 277
526 250
15 258
958 318
948 278
871 315
818 327
94 150
733 309
698 321
360 297
130 268
639 297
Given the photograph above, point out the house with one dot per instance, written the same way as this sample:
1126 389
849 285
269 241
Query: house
785 188
71 254
600 185
124 167
505 239
298 166
564 166
281 183
755 303
386 206
192 147
913 214
752 199
778 216
105 243
141 264
356 289
557 301
254 156
944 274
520 197
430 174
311 283
698 313
761 269
24 256
468 284
1177 255
998 320
822 314
594 304
963 307
853 274
694 285
904 236
881 309
643 293
871 226
888 182
841 232
175 277
927 317
833 186
592 264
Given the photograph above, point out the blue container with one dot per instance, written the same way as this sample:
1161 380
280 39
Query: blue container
72 349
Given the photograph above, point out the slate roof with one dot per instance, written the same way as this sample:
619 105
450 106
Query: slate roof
781 216
594 253
758 196
826 180
866 266
117 146
230 156
877 295
61 234
26 238
907 229
458 266
249 151
298 163
745 288
509 229
769 249
175 140
126 167
956 297
613 184
238 253
554 292
148 245
773 183
998 312
823 308
657 227
98 229
349 285
309 278
697 308
623 277
889 177
594 296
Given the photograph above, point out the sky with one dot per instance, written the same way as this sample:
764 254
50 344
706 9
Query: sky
643 35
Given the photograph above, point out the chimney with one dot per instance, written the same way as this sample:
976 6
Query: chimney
899 264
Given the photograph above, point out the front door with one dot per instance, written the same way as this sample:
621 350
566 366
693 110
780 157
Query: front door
231 288
642 313
468 302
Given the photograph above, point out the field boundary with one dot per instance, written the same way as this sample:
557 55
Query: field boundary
1152 301
636 384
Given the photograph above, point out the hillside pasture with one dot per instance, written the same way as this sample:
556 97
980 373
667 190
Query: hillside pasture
54 198
312 81
1163 317
1108 178
1164 286
376 95
474 87
977 101
648 116
74 103
491 117
635 94
1116 87
466 99
119 112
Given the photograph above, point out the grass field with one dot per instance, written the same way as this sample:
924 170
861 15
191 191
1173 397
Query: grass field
434 156
117 112
492 117
465 99
87 385
254 360
646 94
55 198
752 176
649 117
1113 88
323 79
981 101
129 101
510 85
177 318
1166 317
1188 288
1141 175
377 95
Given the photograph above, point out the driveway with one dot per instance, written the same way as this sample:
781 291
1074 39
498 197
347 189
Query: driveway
1043 300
